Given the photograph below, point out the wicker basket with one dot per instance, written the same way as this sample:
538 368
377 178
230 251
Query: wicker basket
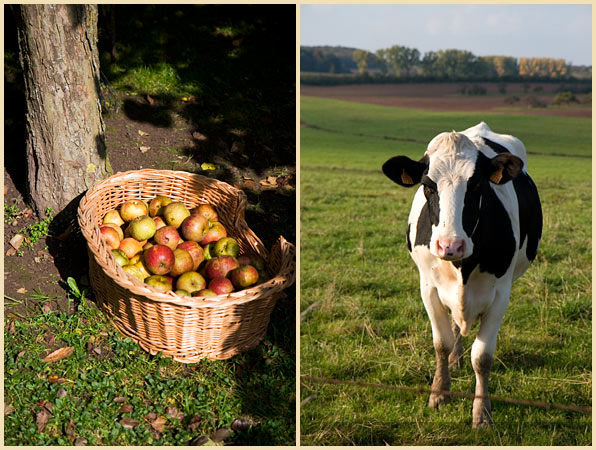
185 328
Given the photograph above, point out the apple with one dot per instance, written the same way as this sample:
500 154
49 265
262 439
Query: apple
159 223
134 271
244 276
206 210
120 257
226 246
113 216
110 236
191 281
208 251
195 251
204 293
142 228
194 227
183 262
220 266
221 286
130 246
159 259
133 208
175 213
167 236
135 259
215 232
156 205
148 245
256 261
182 293
143 268
159 283
115 227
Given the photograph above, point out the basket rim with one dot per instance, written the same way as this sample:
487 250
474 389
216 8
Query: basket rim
284 278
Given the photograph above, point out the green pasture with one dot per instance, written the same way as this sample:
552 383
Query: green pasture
366 321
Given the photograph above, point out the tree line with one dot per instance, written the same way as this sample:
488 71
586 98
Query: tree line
406 63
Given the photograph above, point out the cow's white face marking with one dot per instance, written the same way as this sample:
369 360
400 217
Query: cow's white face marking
452 160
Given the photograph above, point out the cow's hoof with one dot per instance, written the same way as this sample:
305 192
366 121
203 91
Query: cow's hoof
481 415
437 400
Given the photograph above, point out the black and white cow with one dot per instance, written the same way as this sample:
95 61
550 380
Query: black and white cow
474 227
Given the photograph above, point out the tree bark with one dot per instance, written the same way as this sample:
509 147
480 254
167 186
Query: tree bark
66 152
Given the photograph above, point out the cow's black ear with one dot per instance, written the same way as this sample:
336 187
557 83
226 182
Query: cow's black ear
405 171
504 167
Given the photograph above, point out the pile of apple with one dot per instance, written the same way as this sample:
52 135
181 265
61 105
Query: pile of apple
171 248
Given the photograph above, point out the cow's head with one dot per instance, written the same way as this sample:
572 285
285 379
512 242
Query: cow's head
454 177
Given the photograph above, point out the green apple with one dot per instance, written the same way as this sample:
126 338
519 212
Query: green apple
226 246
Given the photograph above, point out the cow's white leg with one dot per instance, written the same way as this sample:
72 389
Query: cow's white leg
483 350
455 357
443 342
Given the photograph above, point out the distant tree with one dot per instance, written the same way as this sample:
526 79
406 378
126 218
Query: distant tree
382 62
361 57
65 145
403 59
429 64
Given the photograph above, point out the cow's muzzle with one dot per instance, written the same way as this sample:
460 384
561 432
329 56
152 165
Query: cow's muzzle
451 249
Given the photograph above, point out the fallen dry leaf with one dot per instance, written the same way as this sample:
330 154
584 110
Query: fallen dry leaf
22 290
158 424
150 99
11 251
119 399
129 422
17 240
43 417
221 435
269 182
142 133
11 327
46 308
81 441
208 166
144 148
240 425
61 393
8 409
27 213
125 408
173 412
199 136
56 379
194 422
61 353
69 429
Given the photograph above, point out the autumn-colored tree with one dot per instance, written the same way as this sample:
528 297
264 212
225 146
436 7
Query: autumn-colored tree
361 58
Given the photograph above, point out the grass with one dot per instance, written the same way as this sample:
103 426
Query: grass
109 382
368 322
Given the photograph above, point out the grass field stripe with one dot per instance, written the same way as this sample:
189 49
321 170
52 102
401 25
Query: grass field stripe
417 390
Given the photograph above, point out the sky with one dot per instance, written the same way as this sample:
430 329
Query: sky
554 31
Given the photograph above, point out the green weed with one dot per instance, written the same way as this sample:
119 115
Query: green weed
11 212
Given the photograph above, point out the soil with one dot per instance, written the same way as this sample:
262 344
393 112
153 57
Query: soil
137 136
448 97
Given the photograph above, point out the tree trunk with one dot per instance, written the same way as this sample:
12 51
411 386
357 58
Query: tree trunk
66 151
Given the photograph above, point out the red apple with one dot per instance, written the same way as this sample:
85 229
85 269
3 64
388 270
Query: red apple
244 276
110 236
167 236
204 293
195 251
194 227
156 205
159 283
226 246
159 223
142 228
215 232
220 266
175 213
206 210
221 286
133 208
113 216
183 262
130 246
115 227
256 261
159 259
191 282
